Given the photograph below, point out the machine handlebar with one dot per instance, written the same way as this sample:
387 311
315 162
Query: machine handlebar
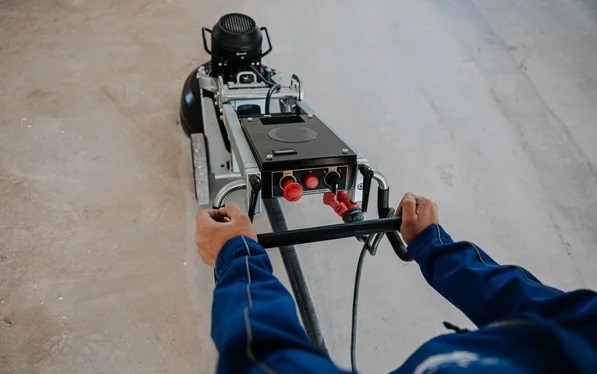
337 231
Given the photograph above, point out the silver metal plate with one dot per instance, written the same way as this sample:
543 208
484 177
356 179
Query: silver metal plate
219 157
200 169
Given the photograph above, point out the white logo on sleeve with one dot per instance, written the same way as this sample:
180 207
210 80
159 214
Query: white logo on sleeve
461 358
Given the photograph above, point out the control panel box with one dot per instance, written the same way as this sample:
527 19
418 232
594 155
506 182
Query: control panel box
299 154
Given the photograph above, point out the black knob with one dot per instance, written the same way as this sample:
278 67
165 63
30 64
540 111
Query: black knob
331 180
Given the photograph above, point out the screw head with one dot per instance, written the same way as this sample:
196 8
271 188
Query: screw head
345 150
249 119
310 115
269 156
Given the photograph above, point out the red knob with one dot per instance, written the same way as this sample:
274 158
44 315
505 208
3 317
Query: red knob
311 181
293 191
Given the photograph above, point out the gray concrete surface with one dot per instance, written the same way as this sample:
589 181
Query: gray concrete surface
487 107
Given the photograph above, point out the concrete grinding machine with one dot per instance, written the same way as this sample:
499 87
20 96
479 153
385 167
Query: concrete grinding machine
257 135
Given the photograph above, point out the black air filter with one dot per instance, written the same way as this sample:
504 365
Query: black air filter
236 37
237 23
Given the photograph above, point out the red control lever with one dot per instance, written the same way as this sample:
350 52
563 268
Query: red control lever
344 198
340 202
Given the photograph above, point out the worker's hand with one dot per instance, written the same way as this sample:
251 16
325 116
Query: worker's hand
216 226
417 214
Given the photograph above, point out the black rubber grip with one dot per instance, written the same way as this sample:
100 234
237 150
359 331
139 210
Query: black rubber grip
383 197
398 246
330 232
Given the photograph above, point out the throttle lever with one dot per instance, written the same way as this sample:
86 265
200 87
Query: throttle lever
256 187
367 173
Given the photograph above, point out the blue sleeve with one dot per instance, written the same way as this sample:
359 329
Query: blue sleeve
254 322
487 292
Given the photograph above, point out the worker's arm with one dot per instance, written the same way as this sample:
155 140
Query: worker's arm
481 288
254 321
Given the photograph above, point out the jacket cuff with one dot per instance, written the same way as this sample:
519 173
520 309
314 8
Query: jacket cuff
428 241
234 248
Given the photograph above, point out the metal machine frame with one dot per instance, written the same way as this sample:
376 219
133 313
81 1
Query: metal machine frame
221 151
239 164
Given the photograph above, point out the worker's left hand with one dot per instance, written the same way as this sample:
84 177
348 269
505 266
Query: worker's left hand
216 226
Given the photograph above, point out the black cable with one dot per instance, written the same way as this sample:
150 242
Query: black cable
370 246
355 304
268 97
295 276
260 76
272 87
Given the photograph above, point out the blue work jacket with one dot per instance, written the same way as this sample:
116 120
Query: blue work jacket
523 325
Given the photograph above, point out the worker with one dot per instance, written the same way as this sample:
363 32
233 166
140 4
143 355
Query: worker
523 325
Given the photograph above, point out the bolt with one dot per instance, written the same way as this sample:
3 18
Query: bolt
269 157
345 150
249 119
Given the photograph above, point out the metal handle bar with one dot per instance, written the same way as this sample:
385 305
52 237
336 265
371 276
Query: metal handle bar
329 232
230 187
203 31
390 226
269 42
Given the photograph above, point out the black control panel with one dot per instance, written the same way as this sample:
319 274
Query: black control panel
312 180
300 149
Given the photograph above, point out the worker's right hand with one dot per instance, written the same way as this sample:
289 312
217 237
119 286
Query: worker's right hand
216 226
417 214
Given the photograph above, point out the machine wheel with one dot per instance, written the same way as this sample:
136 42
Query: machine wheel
191 116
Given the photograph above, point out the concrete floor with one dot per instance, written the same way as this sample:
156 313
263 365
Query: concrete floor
487 107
